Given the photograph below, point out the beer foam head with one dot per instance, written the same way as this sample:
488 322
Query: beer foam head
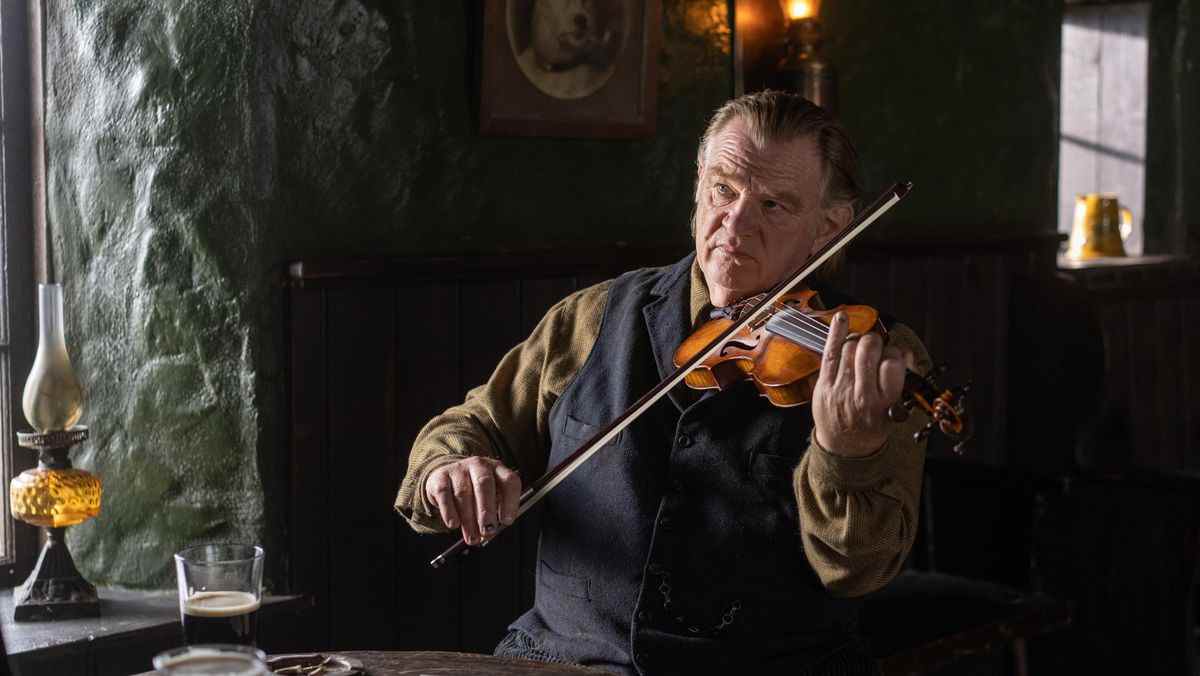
220 604
206 661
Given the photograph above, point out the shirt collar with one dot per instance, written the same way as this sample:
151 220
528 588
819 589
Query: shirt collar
700 304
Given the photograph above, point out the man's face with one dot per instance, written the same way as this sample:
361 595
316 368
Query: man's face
759 212
564 31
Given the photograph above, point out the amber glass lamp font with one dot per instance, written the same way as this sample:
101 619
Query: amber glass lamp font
54 495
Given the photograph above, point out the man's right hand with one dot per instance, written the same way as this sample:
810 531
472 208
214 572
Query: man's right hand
475 494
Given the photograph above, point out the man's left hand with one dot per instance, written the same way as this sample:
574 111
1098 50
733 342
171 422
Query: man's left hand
860 379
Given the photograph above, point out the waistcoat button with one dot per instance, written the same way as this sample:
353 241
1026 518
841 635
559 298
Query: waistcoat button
684 441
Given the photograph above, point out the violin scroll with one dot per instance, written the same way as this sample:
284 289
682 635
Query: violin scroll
947 408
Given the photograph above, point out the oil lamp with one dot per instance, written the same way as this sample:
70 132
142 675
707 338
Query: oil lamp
804 69
54 495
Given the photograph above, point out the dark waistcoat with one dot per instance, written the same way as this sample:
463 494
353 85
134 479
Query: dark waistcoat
676 549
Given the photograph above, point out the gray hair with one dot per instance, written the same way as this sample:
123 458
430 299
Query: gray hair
773 116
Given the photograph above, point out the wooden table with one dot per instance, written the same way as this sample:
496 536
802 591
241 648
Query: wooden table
398 663
401 663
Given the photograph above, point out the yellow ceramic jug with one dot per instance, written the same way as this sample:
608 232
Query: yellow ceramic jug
1100 227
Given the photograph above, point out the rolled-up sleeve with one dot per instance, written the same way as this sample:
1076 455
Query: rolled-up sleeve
858 515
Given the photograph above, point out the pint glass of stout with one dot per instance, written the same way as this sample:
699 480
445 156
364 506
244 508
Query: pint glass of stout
220 590
212 660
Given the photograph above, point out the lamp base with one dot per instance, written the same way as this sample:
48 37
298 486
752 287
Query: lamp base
55 590
814 79
804 70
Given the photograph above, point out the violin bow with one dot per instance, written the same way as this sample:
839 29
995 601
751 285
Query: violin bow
554 476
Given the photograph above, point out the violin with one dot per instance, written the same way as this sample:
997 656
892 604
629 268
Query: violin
780 352
946 406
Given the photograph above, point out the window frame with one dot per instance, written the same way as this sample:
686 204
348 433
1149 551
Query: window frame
1106 149
17 120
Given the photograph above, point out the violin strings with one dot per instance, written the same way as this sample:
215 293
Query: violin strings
817 327
752 303
809 332
795 333
799 327
794 318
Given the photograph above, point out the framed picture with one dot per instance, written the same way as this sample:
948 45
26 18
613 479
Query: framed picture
576 68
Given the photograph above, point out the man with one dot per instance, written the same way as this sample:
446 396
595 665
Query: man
717 532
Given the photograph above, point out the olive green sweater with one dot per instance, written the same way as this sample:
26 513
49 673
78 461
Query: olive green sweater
858 516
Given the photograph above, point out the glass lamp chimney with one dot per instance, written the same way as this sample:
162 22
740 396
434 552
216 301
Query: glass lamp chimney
52 399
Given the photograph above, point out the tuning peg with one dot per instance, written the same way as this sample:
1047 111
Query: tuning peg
898 412
934 373
923 433
960 447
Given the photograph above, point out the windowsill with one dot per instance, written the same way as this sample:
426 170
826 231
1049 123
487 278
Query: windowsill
1135 278
127 619
1122 262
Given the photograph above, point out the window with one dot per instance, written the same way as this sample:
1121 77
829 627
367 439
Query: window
1102 137
18 546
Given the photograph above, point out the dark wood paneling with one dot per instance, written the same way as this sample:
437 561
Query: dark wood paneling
1143 378
308 461
1117 363
1147 315
605 262
990 383
1167 405
427 381
362 449
491 325
1189 383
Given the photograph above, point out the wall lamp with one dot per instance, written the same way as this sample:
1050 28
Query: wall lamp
804 69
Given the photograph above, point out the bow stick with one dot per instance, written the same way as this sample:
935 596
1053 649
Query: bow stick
554 476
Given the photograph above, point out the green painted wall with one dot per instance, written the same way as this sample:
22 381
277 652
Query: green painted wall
961 98
1173 137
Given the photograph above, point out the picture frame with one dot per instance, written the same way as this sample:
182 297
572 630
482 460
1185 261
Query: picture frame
579 70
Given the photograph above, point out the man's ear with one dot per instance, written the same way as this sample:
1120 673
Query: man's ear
837 216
